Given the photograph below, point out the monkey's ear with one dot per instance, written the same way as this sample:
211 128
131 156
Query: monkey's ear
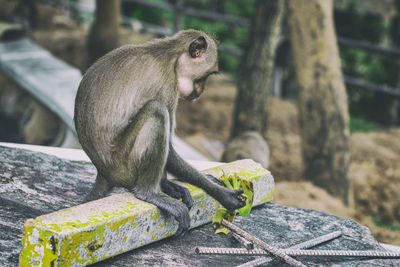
198 47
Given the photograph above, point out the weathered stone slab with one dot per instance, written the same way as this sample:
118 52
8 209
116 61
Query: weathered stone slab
107 227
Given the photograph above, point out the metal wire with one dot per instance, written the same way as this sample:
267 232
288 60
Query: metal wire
275 251
304 245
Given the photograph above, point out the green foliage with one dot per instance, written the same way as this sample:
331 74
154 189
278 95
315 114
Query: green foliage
234 182
225 33
373 68
152 15
395 227
219 215
361 125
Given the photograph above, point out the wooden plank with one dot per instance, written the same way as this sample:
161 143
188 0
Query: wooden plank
48 79
97 230
184 150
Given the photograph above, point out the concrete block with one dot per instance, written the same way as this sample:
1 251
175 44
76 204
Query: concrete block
100 229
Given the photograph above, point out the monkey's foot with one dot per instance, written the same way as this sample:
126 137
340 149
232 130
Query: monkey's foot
177 191
231 199
168 205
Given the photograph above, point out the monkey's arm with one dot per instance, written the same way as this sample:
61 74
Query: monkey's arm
185 172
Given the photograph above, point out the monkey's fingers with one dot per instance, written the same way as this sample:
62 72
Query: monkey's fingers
187 199
178 192
185 195
183 219
181 231
183 227
240 196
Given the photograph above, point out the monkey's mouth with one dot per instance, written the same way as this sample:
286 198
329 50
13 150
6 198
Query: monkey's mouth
193 96
198 88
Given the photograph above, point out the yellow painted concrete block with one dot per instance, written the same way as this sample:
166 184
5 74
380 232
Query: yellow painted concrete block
100 229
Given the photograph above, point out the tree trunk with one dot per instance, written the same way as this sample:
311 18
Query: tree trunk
394 103
257 66
104 33
322 99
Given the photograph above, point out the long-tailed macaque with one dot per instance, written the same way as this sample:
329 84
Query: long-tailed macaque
125 114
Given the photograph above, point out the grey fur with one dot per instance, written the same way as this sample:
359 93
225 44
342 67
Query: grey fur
125 114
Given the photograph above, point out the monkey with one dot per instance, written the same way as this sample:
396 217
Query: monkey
125 116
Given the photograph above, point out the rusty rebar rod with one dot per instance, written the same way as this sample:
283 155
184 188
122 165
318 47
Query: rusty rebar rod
317 241
275 251
300 252
304 245
246 243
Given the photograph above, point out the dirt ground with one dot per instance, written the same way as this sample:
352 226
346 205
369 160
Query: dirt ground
205 124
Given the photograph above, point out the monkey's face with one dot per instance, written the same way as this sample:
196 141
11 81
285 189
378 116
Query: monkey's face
195 66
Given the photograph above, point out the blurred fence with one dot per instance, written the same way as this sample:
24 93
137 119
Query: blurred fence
179 9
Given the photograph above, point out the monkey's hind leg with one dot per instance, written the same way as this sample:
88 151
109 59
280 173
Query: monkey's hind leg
176 191
99 190
148 142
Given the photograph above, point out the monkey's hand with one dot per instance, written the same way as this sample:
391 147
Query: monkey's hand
231 199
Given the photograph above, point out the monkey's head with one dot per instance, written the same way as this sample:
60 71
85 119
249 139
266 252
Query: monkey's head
199 61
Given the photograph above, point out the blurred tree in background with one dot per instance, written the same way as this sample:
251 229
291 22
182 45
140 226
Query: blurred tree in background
322 99
104 33
254 85
255 73
394 103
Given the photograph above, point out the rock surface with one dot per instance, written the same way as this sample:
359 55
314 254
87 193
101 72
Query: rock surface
34 183
276 225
